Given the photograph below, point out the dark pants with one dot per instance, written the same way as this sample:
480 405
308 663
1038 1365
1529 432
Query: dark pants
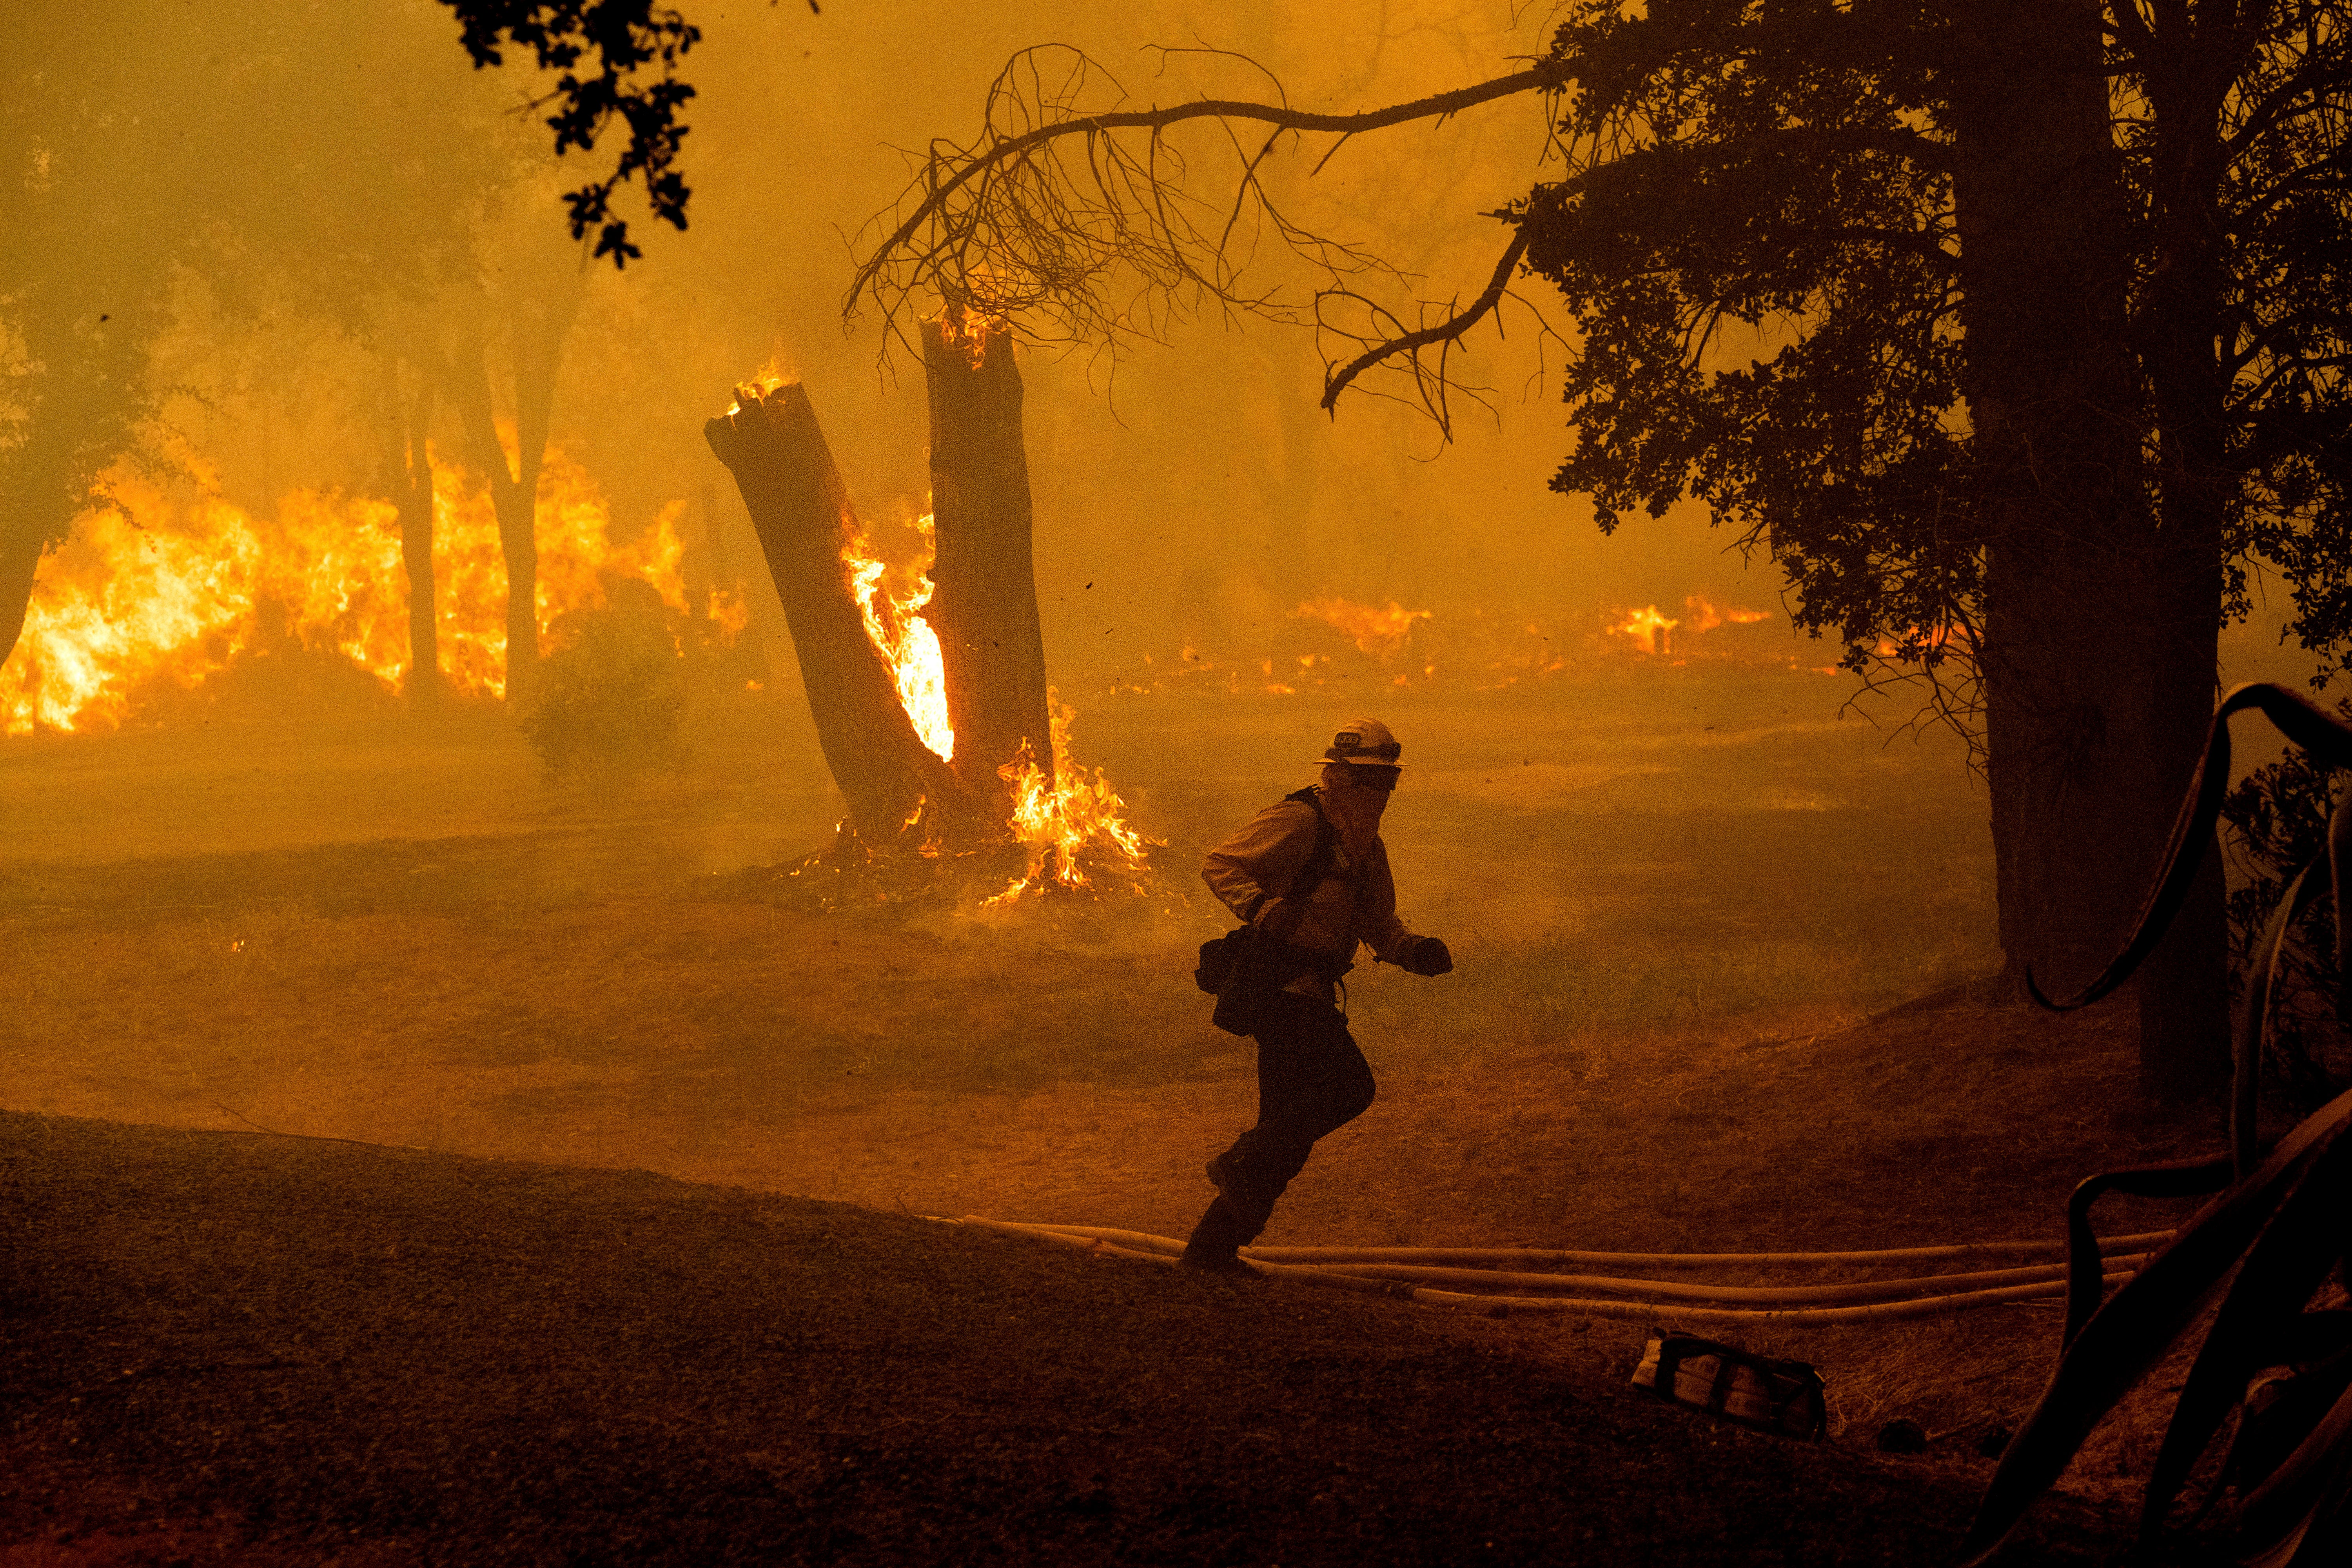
1311 1079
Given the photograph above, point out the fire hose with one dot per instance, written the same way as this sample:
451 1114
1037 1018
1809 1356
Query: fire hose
1422 1274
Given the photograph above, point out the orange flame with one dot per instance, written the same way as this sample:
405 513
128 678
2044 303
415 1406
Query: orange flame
1647 628
968 330
779 371
1706 617
905 641
1378 632
1056 822
1926 640
730 614
166 586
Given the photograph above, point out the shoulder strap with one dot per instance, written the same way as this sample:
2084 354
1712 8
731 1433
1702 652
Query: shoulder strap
1327 847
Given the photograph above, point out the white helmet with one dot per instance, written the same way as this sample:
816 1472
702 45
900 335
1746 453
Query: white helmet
1366 743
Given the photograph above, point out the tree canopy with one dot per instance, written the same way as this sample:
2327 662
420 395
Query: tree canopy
1730 179
1798 182
625 35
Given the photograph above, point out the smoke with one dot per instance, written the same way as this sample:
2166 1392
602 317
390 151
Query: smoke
1630 800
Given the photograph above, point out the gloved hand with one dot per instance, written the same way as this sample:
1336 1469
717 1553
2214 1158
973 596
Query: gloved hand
1424 955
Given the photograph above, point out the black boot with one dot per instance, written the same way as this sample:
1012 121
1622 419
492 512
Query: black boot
1214 1247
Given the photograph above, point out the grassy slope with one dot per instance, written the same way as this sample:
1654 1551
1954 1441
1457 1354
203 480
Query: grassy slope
232 1349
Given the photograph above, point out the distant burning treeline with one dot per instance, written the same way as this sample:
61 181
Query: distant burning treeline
1337 642
167 586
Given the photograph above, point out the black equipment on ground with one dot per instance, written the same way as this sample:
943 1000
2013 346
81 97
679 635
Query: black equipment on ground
1783 1397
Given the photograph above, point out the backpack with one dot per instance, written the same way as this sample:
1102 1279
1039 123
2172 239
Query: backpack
1236 968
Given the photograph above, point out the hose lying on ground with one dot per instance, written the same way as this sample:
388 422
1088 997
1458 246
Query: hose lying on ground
1343 1261
1500 1255
1416 1272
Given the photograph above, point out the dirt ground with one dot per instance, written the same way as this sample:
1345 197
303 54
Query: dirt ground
1687 931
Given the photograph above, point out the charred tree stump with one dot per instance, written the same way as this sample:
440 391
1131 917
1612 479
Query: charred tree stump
801 510
984 587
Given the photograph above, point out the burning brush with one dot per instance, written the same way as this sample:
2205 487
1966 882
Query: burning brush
168 588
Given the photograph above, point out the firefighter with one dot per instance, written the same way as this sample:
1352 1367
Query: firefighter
1310 877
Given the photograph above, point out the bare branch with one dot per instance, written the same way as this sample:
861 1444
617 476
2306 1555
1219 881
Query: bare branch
1076 220
1548 76
1447 332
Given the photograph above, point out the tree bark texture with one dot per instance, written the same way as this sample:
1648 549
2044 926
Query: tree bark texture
801 510
2098 662
984 577
2181 343
20 561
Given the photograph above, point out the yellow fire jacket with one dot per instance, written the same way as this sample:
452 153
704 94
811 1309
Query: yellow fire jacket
1252 873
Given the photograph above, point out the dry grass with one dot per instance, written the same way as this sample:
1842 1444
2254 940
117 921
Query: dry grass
980 1071
1672 945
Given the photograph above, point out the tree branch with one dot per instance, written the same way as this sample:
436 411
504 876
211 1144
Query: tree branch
626 35
1445 332
1548 76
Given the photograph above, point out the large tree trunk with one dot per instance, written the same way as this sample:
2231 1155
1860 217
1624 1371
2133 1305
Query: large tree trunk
410 418
2184 310
20 563
891 782
2098 665
514 497
984 587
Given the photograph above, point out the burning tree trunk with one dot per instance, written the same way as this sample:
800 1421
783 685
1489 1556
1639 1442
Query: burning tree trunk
985 600
966 676
889 779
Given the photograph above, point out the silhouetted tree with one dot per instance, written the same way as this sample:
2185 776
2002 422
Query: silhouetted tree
983 605
2050 384
410 390
895 787
983 609
529 318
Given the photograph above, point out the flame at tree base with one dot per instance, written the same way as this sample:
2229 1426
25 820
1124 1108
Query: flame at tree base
1068 830
1063 824
1067 839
